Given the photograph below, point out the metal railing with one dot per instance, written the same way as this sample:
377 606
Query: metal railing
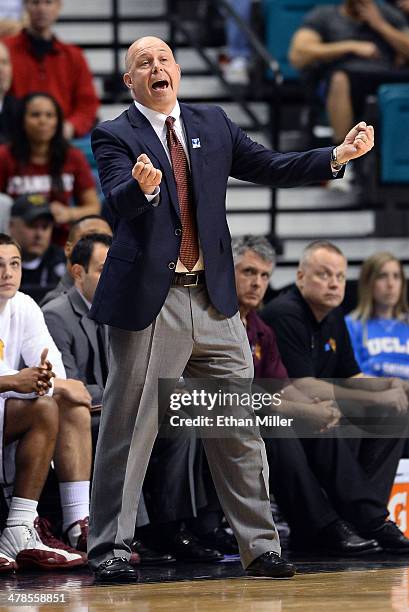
238 95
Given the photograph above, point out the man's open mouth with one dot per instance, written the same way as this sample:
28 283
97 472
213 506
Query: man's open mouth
160 85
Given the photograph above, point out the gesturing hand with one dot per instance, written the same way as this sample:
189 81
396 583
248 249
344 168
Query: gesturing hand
357 142
146 174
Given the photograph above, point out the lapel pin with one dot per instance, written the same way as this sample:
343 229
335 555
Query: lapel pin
196 143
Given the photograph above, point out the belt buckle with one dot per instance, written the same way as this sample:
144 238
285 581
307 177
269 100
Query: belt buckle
192 274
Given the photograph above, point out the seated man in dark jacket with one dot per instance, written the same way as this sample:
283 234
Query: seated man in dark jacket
357 474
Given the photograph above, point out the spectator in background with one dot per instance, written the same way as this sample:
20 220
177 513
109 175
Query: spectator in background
238 50
92 224
24 336
82 342
353 48
43 263
30 421
42 62
294 483
379 326
314 344
40 160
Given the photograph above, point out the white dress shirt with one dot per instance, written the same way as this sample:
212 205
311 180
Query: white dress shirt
158 123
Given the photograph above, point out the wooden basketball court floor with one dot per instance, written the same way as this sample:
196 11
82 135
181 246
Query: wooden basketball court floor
374 584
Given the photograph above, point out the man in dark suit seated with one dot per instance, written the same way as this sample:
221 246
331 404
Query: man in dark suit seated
167 293
91 224
82 343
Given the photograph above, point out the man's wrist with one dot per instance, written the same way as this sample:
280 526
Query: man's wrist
335 163
8 383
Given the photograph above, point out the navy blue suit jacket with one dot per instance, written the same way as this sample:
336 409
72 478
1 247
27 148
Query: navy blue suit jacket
140 265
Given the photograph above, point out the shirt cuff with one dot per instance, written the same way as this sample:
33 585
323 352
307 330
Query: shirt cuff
153 198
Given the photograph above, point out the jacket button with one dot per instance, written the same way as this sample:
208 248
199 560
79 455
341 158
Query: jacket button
171 265
178 232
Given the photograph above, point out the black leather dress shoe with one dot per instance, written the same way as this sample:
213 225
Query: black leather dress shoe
339 538
186 547
221 541
270 565
149 556
116 570
391 538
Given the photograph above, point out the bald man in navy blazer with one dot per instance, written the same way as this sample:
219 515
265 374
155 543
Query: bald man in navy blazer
166 319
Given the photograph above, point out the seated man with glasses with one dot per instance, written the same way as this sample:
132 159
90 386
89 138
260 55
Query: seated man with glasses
357 474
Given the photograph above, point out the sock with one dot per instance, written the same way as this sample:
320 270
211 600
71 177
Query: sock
74 502
21 511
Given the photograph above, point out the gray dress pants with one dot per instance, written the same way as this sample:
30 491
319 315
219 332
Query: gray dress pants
188 336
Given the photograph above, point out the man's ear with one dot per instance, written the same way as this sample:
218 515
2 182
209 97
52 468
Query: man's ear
77 272
300 278
127 80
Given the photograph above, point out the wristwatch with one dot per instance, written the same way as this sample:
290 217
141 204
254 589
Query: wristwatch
334 162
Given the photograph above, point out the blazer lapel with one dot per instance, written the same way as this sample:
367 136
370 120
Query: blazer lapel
148 135
90 330
193 136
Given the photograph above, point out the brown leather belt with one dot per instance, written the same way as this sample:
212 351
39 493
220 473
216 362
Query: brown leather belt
188 279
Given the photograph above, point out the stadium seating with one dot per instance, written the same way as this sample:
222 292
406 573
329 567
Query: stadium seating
283 18
393 103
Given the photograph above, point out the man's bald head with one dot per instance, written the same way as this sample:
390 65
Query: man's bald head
142 43
152 74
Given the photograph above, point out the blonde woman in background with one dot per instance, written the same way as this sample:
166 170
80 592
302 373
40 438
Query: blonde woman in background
379 326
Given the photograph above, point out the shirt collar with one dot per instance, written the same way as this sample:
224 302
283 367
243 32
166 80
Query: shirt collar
254 329
157 120
84 299
38 46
